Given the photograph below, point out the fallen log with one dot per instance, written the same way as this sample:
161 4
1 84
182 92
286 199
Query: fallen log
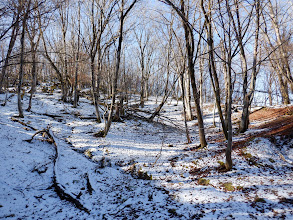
22 123
134 113
58 187
87 117
58 117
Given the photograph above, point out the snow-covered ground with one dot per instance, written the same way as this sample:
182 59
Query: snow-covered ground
140 170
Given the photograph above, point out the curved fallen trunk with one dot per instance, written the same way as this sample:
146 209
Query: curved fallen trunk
58 187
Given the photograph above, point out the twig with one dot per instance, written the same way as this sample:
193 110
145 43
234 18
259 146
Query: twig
7 98
160 153
88 184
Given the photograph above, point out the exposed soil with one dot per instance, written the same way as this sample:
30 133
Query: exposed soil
270 113
278 121
267 122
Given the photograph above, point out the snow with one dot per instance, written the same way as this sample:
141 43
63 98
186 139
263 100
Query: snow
111 165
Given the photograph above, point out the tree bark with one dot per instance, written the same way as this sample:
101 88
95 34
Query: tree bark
34 75
283 53
20 75
117 67
75 100
14 34
249 96
95 93
212 68
184 110
64 23
189 45
187 97
189 42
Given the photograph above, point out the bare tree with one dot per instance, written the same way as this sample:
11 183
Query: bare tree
249 95
280 60
100 14
123 14
75 100
63 12
190 48
169 57
143 40
13 36
33 32
212 64
52 56
25 6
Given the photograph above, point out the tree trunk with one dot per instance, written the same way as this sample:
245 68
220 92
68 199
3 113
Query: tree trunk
146 88
117 67
283 53
229 122
142 89
184 109
212 69
229 90
249 96
34 76
76 95
63 12
284 90
14 34
189 43
20 76
187 97
95 90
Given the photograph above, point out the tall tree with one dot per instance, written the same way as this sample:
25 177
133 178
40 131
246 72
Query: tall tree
63 12
279 44
25 6
143 40
212 63
168 59
123 14
249 95
75 100
55 51
101 12
33 32
190 49
13 36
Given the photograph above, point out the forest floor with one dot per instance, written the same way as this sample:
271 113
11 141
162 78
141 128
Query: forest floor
141 170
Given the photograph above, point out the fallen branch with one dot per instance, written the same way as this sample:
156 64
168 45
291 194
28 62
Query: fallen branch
7 99
137 116
135 109
50 115
59 188
134 113
171 121
284 159
257 110
88 117
23 123
159 154
88 184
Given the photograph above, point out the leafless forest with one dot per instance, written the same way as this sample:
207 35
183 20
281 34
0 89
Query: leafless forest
146 109
231 53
